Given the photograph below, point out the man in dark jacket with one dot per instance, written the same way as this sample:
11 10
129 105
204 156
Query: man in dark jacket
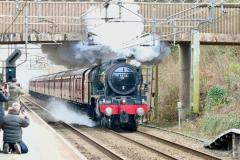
3 98
12 124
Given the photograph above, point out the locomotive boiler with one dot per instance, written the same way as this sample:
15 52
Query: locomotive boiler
111 92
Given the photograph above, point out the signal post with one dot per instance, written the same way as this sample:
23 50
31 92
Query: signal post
11 66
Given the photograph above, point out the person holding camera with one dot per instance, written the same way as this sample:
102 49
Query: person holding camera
12 124
4 97
15 91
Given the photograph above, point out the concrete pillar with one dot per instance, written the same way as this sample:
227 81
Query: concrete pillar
195 52
185 83
235 145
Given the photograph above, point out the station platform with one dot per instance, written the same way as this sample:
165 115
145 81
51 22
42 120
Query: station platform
43 144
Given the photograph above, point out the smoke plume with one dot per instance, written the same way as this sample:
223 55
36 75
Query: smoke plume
61 111
77 54
116 31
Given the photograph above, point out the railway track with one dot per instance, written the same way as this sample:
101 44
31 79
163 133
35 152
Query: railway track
167 156
174 132
64 127
181 149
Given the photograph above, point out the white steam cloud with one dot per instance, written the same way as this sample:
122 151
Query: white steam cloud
135 63
117 33
61 111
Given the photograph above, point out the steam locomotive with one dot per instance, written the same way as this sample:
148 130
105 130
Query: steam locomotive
111 92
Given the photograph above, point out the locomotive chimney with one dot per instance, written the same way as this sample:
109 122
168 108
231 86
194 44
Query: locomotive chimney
120 60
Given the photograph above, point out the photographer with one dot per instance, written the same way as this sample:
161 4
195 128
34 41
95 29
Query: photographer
12 124
15 91
4 96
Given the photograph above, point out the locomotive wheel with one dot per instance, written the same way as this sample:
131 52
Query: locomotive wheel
113 126
132 125
103 122
109 123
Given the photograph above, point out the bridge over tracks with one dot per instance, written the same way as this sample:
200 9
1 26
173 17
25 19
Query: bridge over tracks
48 21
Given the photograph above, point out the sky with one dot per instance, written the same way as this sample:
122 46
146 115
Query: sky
36 64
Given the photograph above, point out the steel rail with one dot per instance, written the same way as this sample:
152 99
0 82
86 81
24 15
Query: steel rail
181 147
100 147
82 135
174 132
169 143
164 155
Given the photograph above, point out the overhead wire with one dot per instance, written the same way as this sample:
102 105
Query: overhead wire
110 21
201 22
206 25
26 32
165 20
15 18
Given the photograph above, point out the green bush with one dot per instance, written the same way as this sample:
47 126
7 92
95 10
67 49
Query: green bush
209 123
214 124
216 96
232 77
232 1
234 68
231 120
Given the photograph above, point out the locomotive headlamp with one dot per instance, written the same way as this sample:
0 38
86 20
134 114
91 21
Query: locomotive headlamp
108 111
140 111
124 101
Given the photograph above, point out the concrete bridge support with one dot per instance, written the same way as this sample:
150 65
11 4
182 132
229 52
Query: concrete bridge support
185 83
190 77
195 71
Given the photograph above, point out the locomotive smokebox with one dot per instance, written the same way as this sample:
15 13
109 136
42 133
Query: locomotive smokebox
122 78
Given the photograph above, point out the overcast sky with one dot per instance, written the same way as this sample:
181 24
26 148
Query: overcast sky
36 63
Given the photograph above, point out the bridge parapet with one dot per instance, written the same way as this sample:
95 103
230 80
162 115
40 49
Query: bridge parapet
48 21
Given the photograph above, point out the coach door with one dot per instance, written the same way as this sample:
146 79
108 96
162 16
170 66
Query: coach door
86 87
72 88
78 89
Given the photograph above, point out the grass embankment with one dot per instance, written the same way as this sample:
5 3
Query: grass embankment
219 91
